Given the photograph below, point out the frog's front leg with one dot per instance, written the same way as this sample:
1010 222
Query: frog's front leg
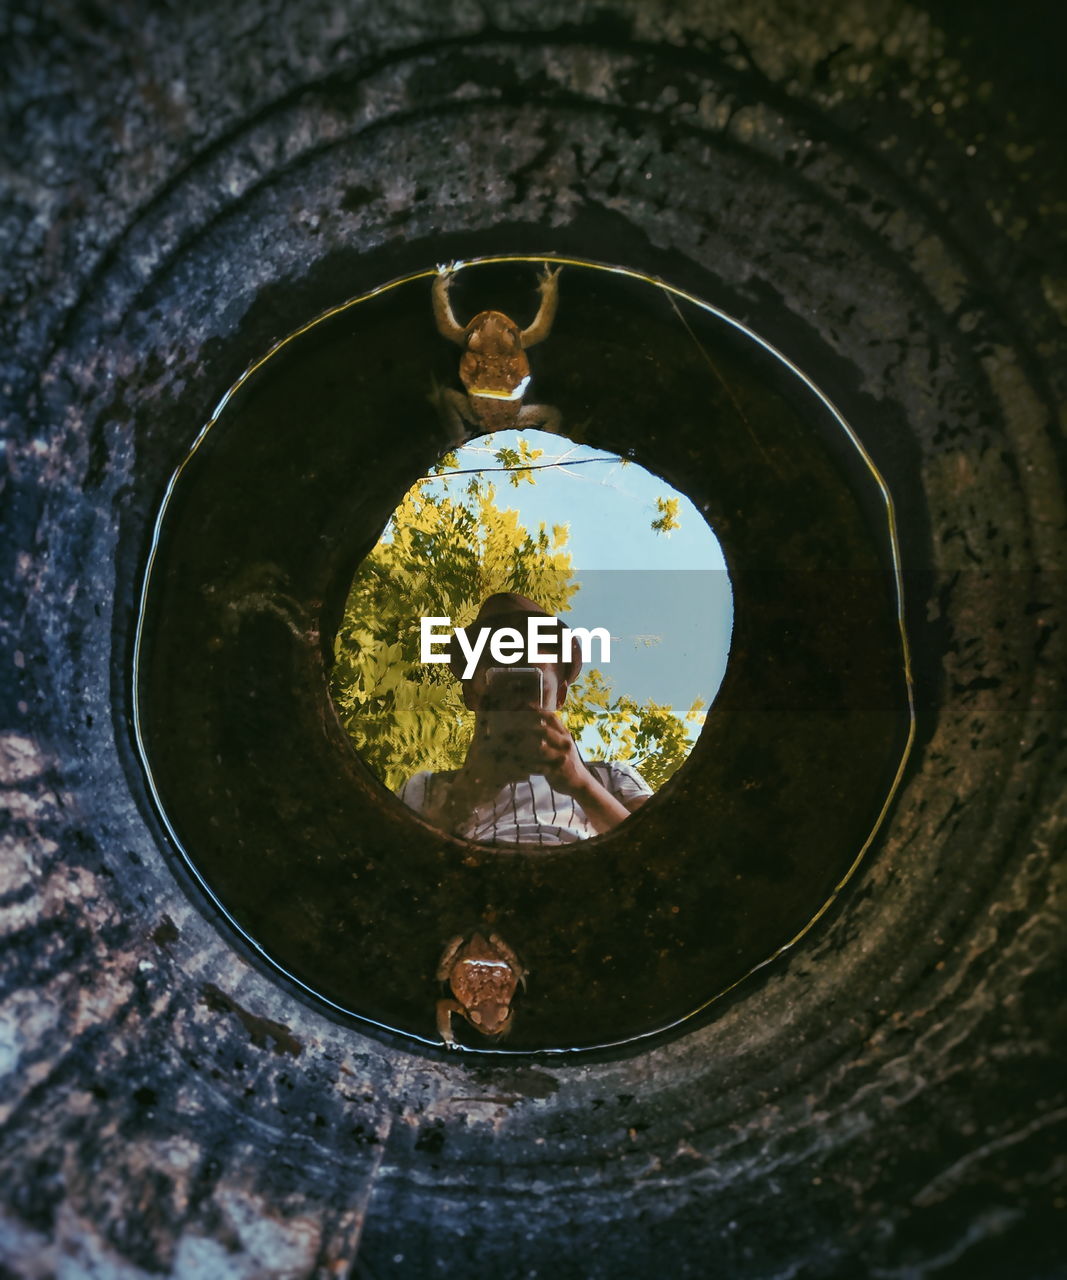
445 1010
548 287
539 415
447 324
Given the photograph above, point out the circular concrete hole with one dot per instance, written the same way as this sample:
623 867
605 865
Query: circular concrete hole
874 192
640 929
625 562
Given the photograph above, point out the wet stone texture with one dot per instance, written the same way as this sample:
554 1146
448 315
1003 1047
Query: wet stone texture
875 189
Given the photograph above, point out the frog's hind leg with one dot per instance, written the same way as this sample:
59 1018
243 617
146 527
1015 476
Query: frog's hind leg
444 965
545 416
454 410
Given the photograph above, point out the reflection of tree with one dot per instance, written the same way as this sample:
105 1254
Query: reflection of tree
447 547
650 735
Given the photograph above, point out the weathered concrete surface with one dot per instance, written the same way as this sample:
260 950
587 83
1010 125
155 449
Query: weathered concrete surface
879 197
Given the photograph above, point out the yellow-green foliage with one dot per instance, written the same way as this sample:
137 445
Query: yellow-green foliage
668 515
651 736
447 547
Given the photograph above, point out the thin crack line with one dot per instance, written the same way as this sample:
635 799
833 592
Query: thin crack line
724 384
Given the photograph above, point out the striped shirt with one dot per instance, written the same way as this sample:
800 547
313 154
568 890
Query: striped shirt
529 811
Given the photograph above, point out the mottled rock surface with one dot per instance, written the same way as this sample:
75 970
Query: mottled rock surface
876 188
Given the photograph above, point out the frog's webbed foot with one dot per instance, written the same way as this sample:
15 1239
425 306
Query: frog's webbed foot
445 1010
548 287
444 965
545 416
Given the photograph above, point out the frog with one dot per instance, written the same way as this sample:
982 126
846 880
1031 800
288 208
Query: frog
483 973
493 368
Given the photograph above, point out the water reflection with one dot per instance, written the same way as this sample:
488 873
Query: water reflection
449 702
483 974
523 779
494 369
284 496
485 730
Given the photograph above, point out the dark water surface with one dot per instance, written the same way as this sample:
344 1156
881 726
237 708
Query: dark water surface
334 879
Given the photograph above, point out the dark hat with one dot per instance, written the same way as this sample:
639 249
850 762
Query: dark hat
508 609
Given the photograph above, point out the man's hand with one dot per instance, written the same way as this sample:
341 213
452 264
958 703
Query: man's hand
556 755
559 761
534 741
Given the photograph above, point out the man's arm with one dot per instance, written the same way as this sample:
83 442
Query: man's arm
602 809
567 772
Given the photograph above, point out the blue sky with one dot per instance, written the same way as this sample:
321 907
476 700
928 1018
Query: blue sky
665 598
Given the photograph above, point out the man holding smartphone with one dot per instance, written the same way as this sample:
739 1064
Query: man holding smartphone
524 780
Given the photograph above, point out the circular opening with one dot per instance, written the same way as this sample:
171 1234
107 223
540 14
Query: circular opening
391 920
504 523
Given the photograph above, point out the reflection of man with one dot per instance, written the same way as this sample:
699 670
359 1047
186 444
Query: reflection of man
523 781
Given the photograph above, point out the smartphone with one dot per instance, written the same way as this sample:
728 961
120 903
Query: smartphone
508 689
